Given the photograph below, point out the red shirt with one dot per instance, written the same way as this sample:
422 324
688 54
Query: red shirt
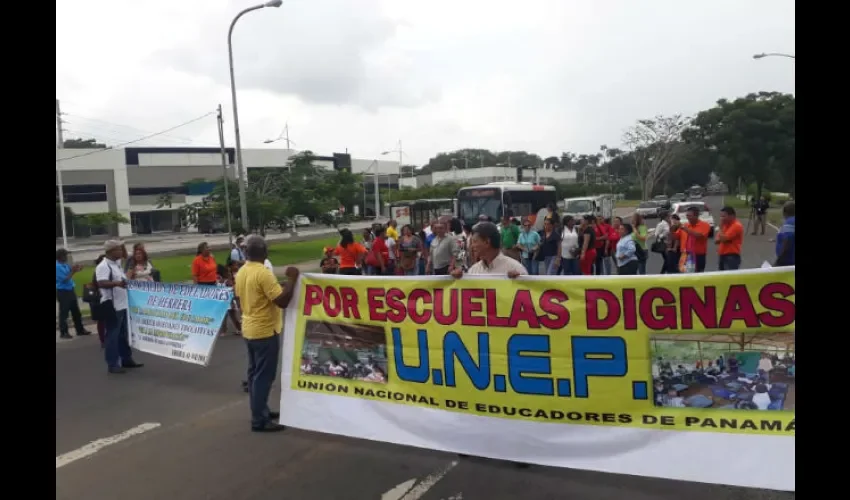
613 238
380 246
600 230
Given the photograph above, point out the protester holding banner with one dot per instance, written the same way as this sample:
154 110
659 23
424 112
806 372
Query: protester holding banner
261 299
486 242
112 283
139 267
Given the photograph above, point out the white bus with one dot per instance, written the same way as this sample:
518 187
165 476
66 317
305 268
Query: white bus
523 199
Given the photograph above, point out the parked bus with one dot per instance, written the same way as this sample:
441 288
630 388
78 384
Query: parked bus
523 199
420 213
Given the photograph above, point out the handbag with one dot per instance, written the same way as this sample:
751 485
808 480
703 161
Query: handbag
658 246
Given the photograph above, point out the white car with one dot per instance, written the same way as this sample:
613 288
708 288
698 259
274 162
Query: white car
301 220
704 211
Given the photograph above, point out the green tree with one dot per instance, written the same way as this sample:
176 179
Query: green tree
80 143
754 136
657 148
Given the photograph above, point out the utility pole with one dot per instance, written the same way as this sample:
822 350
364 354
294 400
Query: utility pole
60 144
400 159
286 134
224 163
377 189
466 160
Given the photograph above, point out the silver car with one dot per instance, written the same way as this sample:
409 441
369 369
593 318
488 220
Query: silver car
648 209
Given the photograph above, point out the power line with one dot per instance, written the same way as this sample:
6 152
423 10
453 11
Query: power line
112 126
141 138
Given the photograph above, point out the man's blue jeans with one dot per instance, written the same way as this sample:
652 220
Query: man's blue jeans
116 345
262 369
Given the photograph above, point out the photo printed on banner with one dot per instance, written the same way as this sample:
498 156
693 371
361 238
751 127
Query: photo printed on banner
353 352
755 371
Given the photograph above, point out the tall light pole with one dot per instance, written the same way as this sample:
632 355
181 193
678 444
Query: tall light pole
240 167
60 144
400 155
773 54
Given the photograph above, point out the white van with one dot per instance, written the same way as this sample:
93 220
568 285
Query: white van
602 205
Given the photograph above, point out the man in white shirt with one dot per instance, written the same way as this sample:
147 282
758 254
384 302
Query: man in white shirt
112 284
485 243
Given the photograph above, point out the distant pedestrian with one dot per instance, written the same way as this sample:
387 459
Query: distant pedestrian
112 284
640 233
237 253
528 244
760 208
587 245
694 241
350 252
729 239
626 252
204 268
785 240
569 247
261 299
510 237
66 296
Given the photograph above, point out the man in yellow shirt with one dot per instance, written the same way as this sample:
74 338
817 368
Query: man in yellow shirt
261 299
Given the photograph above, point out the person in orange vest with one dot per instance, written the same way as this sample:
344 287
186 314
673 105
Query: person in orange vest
729 240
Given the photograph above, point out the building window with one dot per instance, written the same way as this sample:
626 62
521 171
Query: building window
156 191
76 193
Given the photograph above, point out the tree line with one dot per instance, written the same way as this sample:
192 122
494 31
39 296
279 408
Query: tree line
751 139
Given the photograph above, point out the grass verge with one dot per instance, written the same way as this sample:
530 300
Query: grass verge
177 268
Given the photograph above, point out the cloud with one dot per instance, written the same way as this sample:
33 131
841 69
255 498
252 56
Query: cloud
542 75
323 52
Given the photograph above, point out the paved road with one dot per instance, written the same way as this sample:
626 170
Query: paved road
202 447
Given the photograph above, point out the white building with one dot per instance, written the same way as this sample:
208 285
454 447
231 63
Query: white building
483 175
130 181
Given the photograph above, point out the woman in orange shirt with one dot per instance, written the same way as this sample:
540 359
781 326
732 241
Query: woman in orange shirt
350 253
204 268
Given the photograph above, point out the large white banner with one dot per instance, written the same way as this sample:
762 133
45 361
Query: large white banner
688 377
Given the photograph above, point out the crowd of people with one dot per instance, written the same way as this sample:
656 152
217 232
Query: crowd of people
565 246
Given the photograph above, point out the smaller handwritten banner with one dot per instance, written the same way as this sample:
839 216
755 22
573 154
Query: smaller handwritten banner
177 321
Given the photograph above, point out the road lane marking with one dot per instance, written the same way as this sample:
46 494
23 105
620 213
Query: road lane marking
97 445
404 491
399 491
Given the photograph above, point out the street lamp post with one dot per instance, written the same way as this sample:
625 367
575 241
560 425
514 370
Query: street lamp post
773 54
240 167
400 155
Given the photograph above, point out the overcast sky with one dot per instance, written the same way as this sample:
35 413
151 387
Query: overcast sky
540 75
